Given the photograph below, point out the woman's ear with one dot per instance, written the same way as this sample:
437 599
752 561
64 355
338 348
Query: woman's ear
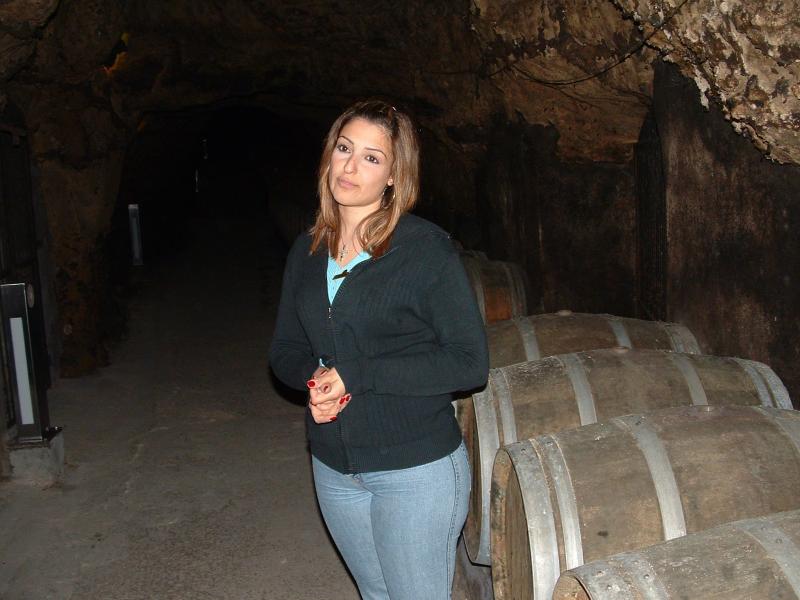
390 182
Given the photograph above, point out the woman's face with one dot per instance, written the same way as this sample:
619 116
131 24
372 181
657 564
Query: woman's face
361 164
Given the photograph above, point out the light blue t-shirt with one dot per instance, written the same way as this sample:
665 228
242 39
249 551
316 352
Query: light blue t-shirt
333 270
334 283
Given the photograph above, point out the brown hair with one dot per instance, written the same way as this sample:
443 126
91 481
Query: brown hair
375 231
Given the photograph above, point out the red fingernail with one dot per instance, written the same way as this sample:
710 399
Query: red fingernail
333 418
311 383
345 398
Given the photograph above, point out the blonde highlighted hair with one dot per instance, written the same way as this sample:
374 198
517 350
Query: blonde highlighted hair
375 231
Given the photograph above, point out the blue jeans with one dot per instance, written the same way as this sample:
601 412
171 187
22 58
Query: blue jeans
397 530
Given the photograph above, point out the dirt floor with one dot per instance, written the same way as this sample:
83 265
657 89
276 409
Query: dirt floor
187 474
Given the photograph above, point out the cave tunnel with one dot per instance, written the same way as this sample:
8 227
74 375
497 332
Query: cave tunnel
626 162
230 162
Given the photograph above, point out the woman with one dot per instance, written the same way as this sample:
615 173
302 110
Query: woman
377 320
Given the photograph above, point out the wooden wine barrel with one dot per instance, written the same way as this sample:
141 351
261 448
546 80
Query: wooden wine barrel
500 287
533 337
753 559
470 581
562 500
561 392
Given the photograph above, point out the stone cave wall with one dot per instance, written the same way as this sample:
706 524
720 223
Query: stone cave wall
53 71
570 225
732 222
529 112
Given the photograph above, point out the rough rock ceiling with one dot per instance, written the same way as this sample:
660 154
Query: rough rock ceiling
744 54
457 63
448 60
570 64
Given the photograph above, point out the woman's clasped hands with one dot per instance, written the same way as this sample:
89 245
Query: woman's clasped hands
327 396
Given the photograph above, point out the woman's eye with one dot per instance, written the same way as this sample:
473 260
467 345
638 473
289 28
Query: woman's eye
372 159
342 148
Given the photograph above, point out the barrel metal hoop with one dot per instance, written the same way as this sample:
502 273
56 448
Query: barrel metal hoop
488 443
618 327
778 546
681 338
529 340
502 394
675 340
696 391
542 541
784 421
474 272
522 289
669 498
518 299
779 393
580 385
761 387
643 576
602 580
548 447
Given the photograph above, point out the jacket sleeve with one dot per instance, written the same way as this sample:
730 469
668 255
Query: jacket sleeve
461 360
290 353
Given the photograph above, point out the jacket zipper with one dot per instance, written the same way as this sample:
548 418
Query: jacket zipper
338 424
356 270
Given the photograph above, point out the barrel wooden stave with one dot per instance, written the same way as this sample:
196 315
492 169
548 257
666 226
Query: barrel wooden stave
577 332
728 463
483 431
562 334
629 477
500 287
739 444
653 379
707 494
517 531
652 334
723 563
543 400
542 396
505 343
478 444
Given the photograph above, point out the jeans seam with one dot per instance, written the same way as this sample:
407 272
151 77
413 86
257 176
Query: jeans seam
456 493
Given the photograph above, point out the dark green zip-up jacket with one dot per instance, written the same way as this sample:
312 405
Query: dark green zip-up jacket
404 333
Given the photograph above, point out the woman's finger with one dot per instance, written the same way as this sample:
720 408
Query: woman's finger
324 413
326 392
330 377
316 397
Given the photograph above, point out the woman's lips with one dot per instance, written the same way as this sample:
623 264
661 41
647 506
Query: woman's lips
345 183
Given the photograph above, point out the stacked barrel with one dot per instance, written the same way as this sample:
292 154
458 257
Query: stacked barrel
612 451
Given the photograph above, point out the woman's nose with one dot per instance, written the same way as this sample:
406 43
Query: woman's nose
350 165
